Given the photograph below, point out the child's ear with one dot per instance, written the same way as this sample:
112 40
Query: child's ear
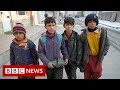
25 36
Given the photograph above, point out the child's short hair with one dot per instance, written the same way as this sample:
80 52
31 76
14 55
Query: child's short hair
49 20
69 20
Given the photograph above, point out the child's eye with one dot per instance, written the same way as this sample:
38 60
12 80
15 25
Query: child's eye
15 33
20 33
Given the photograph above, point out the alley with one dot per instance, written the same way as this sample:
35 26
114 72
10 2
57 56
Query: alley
111 63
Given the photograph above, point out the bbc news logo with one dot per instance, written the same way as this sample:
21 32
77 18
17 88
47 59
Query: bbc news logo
23 70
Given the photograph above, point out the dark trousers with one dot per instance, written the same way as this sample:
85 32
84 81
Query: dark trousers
55 73
70 69
20 77
92 70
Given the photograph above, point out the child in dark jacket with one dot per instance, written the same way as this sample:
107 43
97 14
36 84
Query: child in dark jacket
22 50
93 47
71 43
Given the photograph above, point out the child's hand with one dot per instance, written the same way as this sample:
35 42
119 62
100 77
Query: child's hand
50 65
31 64
66 61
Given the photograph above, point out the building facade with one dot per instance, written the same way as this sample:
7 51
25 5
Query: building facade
9 18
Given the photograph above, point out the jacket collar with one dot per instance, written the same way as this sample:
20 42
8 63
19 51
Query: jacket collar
65 37
96 31
20 43
50 35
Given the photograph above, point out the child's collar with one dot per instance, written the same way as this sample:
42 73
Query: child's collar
96 31
20 43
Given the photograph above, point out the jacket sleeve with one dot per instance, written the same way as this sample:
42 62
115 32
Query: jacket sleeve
41 53
34 54
107 45
64 49
80 63
12 56
78 50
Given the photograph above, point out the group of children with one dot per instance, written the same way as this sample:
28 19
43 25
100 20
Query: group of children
85 51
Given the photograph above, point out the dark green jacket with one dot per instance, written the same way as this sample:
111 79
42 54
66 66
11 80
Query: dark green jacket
103 46
72 46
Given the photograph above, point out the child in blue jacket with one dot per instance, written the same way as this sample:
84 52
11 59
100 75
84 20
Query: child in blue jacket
22 50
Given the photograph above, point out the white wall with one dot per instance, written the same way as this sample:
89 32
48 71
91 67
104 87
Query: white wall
73 13
6 22
35 17
108 11
41 16
89 12
50 13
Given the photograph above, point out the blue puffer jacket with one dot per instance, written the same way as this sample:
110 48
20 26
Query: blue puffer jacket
22 55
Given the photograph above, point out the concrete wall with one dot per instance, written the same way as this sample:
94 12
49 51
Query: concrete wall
118 16
106 16
85 13
79 14
50 13
1 28
113 16
25 19
41 16
70 13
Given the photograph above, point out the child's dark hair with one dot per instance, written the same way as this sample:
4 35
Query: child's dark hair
69 20
49 20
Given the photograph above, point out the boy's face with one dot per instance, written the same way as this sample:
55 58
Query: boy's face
19 36
91 24
51 27
68 27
